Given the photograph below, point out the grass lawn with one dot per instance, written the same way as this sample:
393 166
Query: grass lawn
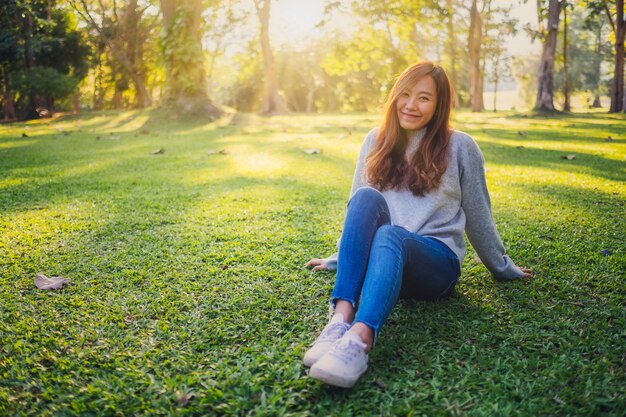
189 295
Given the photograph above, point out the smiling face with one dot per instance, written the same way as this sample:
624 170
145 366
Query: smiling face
416 106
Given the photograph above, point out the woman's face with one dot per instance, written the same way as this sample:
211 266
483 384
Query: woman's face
416 106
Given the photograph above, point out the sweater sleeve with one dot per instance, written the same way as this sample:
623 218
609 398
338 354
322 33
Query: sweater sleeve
480 226
358 181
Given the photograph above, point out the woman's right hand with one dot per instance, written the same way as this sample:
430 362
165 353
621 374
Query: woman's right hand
317 264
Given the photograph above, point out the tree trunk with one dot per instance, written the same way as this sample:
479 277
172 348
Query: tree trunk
496 78
566 104
310 99
617 86
134 51
597 63
451 47
29 62
185 75
545 88
474 46
272 101
9 104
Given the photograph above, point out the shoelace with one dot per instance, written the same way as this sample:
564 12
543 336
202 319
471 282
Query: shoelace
346 350
332 332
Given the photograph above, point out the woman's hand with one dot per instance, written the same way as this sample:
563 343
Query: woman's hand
528 273
317 264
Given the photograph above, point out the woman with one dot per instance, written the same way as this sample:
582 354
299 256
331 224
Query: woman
417 188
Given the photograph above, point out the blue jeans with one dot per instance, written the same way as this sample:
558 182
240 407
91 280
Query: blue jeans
379 263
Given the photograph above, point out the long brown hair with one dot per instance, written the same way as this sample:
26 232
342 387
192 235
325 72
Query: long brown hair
386 165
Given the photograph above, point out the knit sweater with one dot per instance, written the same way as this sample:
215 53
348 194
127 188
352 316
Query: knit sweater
459 204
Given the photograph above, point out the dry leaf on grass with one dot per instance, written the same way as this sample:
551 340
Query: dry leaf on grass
381 384
158 151
569 157
220 152
53 283
184 398
313 151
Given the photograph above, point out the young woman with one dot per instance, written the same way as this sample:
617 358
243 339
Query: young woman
418 186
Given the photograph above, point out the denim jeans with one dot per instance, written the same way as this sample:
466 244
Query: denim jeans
379 263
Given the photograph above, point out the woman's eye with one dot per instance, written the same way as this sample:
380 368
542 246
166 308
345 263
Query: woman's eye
423 99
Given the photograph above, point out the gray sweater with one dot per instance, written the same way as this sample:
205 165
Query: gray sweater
460 204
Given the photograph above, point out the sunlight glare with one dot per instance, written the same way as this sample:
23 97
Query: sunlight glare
294 19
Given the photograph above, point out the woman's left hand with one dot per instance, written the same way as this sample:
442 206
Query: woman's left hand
317 264
528 273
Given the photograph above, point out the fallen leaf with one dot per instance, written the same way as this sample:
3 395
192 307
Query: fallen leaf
158 151
519 132
220 152
184 398
112 137
381 384
608 139
53 283
24 135
144 132
569 157
520 147
313 151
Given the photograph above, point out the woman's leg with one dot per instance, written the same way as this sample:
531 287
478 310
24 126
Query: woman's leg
367 211
420 267
427 266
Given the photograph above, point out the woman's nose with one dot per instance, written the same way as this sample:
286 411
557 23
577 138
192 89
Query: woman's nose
411 103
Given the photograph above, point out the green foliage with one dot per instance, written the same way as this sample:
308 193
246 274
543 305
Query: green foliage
189 296
587 53
42 53
182 52
46 82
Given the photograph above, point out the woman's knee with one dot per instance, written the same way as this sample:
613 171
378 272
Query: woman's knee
389 236
367 194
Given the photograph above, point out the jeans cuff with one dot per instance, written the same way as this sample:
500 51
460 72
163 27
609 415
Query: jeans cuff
333 300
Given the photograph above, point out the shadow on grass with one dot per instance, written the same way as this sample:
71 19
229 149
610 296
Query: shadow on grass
585 163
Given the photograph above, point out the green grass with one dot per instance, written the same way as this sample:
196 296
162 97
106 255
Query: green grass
189 294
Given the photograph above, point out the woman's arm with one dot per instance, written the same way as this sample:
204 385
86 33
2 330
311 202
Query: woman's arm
480 226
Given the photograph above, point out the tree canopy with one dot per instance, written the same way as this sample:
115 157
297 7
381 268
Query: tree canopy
197 55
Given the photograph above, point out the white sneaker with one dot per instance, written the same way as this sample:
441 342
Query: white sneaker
343 364
333 331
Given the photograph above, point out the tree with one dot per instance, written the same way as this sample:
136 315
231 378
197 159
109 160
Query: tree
10 55
589 44
120 36
272 100
42 57
545 85
616 15
451 43
618 24
474 43
185 75
566 104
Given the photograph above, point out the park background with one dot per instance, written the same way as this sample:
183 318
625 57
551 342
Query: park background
179 160
314 56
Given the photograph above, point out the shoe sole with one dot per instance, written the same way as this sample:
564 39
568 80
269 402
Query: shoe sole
335 380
